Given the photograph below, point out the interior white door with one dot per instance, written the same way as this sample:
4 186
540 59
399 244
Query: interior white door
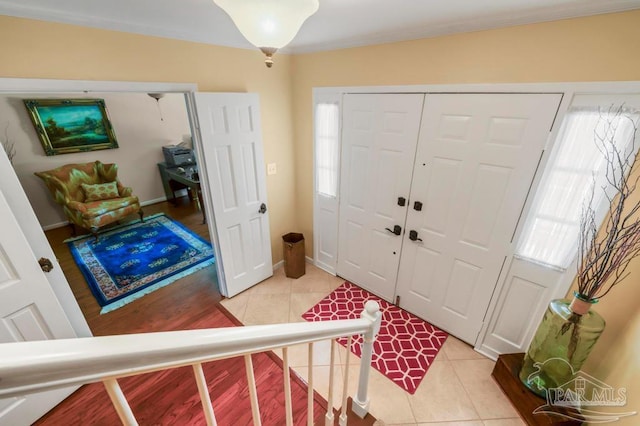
229 124
380 132
29 310
476 159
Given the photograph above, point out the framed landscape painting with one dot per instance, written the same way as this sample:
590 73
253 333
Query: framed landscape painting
71 125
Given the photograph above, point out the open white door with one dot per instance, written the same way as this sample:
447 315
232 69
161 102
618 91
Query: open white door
229 125
29 309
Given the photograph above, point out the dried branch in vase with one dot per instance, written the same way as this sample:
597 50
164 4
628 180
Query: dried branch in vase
605 254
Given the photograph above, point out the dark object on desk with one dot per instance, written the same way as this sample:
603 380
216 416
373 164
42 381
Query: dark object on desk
178 156
506 373
176 186
184 177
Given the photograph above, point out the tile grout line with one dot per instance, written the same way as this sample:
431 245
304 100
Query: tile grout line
466 391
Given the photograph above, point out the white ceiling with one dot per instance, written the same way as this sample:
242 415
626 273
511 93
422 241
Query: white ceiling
337 24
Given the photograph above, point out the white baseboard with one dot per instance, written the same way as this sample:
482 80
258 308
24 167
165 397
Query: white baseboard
154 201
488 352
326 268
55 225
280 264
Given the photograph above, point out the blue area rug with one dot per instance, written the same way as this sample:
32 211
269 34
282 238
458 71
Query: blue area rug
133 260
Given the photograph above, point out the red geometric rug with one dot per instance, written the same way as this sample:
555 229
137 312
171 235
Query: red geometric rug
405 346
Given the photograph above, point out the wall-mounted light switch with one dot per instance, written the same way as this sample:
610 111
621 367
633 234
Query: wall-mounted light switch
271 169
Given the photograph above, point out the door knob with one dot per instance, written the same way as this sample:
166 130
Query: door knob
263 208
413 236
402 201
45 264
397 230
417 206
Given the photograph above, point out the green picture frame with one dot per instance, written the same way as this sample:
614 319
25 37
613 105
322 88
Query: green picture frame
65 126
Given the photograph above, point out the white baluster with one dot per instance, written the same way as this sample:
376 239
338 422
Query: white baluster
373 314
120 403
345 385
203 389
328 418
287 386
310 388
253 393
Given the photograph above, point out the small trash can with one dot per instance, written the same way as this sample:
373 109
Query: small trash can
293 253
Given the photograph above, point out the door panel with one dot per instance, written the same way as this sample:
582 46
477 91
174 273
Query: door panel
29 310
379 139
476 158
525 295
232 150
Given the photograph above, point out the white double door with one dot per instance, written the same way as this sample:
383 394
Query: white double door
464 164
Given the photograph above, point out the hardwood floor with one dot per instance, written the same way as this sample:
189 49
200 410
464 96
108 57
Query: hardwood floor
171 397
169 308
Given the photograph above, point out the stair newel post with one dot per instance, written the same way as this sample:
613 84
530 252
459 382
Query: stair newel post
372 313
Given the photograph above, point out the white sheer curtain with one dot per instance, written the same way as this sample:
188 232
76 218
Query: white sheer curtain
550 235
327 128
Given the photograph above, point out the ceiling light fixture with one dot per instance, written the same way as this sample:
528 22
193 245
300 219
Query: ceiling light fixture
157 97
269 24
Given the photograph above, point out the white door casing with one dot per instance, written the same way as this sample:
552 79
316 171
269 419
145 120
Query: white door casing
29 310
476 159
379 137
230 129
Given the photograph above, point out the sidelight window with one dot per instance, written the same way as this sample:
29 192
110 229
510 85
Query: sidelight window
550 235
327 129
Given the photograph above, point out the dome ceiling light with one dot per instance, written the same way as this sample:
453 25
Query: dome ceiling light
269 24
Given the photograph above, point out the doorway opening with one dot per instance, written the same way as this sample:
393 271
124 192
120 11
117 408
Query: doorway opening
143 125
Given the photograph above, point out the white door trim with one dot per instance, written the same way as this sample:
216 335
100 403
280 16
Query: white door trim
598 87
35 85
17 199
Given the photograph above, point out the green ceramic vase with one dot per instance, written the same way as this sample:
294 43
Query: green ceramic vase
562 343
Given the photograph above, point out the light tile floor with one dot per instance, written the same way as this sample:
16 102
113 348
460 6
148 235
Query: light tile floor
457 389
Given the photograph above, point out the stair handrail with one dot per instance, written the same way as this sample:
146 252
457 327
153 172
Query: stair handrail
37 366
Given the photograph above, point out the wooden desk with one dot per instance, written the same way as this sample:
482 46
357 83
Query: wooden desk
187 179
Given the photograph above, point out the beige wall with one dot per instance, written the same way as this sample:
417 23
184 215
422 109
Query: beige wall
139 130
35 49
615 358
598 48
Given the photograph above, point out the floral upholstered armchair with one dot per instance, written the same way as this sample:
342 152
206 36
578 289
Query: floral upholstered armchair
90 194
